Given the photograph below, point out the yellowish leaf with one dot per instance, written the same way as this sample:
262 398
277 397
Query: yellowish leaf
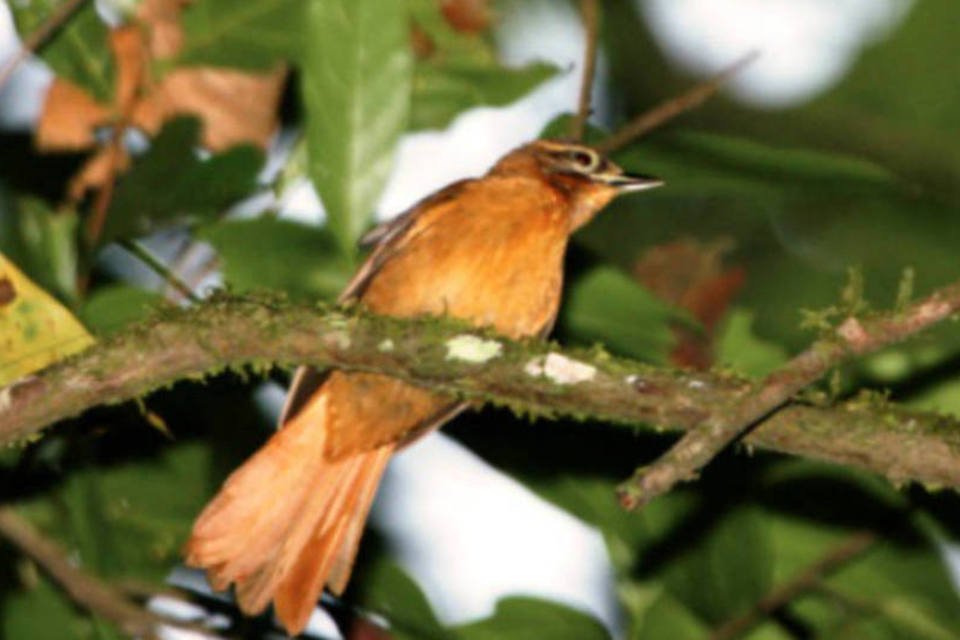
35 329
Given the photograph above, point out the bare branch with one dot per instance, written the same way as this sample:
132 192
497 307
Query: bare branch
667 111
589 9
854 337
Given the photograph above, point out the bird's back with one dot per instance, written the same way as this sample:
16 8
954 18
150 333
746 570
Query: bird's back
493 255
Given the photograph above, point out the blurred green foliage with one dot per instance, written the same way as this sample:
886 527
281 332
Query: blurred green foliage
866 175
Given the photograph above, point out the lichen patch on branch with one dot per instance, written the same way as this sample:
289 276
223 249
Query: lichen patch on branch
339 340
473 349
560 369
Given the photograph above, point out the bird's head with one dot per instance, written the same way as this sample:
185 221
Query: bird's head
584 175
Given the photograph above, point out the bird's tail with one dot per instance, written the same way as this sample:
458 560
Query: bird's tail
288 521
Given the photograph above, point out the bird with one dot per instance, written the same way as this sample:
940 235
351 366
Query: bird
288 522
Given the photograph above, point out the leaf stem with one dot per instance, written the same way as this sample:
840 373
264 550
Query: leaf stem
157 266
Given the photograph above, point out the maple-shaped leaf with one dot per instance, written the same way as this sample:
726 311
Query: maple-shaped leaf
234 107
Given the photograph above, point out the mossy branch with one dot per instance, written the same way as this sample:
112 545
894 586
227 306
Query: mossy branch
532 377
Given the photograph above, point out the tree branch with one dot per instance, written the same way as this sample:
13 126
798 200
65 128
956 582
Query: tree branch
589 10
84 589
670 109
852 338
807 580
450 357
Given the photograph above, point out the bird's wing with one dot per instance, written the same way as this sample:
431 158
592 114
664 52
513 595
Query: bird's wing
384 239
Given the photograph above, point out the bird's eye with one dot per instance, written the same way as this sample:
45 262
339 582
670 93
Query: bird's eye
584 160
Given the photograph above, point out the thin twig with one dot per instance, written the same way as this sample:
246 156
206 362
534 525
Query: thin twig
852 338
101 203
666 111
227 332
807 580
84 589
589 10
32 42
157 266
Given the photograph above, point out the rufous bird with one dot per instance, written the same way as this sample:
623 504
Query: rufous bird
489 250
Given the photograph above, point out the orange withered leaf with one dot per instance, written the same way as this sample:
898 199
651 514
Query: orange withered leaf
69 118
690 274
235 107
99 169
467 16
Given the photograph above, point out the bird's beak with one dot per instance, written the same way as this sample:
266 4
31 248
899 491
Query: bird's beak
626 182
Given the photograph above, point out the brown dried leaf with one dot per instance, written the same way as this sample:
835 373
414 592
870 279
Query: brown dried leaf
422 44
235 107
98 171
69 118
162 17
467 16
690 274
130 52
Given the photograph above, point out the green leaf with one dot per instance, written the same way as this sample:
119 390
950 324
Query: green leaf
41 611
893 590
668 618
737 346
356 92
461 71
119 520
249 35
171 184
728 571
941 396
43 243
311 268
898 588
605 305
797 218
111 308
523 617
442 91
387 590
78 51
128 520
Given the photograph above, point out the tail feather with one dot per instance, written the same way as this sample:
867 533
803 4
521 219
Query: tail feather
333 544
346 552
288 521
258 505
